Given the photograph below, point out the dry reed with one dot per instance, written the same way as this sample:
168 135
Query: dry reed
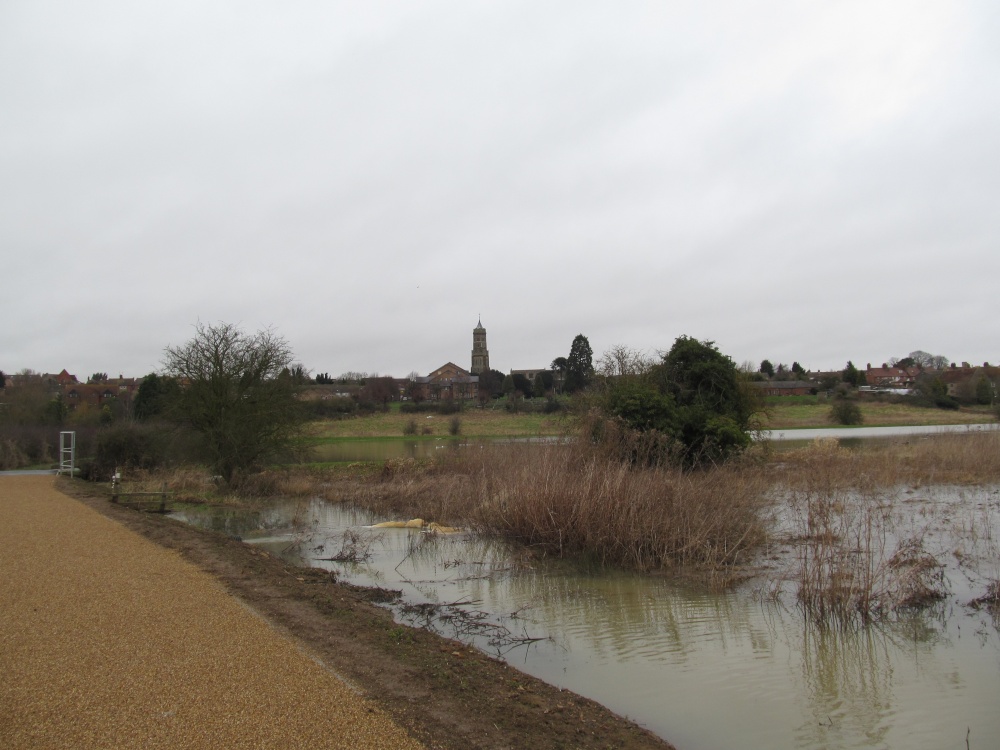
939 459
576 501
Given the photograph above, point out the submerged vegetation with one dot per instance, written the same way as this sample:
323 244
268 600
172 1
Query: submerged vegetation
861 555
842 514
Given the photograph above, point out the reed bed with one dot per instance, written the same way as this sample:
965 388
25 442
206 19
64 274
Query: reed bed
577 501
939 459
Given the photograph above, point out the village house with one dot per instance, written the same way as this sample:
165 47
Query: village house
891 377
961 379
529 374
97 394
64 378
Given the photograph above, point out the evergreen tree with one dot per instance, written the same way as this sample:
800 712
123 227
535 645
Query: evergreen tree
696 399
579 365
852 375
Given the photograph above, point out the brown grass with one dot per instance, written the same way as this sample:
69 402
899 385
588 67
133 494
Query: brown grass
574 501
939 459
579 502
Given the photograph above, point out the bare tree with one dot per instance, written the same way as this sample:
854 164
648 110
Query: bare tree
622 360
926 360
380 390
234 396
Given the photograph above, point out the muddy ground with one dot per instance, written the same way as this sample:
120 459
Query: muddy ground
445 694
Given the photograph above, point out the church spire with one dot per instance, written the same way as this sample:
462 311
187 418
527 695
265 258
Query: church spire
480 354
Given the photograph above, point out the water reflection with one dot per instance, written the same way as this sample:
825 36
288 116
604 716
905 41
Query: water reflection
704 670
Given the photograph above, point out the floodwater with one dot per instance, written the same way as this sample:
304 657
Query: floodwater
705 670
817 433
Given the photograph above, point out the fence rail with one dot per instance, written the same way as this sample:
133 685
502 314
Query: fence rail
156 502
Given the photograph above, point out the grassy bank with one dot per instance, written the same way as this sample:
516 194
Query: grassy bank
783 413
790 412
474 422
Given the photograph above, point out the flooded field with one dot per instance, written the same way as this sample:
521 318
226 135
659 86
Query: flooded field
704 669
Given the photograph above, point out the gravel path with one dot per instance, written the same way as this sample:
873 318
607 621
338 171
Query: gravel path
110 641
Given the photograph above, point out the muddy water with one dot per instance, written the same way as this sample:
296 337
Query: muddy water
702 669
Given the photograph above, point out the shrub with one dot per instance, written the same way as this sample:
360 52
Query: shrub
946 402
11 455
450 406
34 444
330 408
410 428
845 411
455 426
135 446
695 397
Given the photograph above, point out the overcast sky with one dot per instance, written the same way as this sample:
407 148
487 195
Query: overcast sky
794 180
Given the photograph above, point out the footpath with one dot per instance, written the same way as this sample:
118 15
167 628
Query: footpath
108 640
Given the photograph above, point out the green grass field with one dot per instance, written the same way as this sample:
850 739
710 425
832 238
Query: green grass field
474 422
789 412
783 413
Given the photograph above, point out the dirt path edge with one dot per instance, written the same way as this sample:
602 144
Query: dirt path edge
443 693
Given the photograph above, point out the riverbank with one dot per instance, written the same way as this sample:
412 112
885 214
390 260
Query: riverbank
812 412
443 693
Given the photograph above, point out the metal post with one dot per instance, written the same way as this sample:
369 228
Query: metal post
67 452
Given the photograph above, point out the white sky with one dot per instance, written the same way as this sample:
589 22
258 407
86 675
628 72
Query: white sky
810 181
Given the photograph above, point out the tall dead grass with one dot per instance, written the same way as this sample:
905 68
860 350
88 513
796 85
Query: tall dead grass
939 459
577 501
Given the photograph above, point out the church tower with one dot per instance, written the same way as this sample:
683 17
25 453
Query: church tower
480 354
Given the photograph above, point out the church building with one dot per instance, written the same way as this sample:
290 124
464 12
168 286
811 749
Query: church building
450 381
